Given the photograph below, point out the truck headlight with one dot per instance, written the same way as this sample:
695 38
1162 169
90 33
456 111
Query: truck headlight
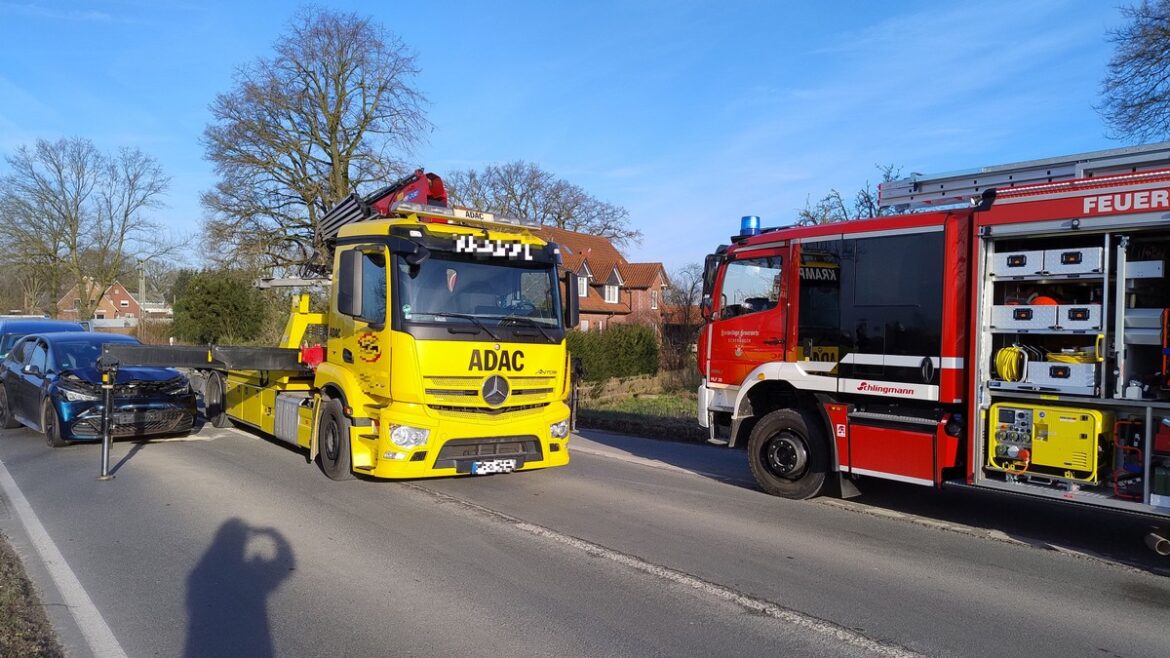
405 436
559 430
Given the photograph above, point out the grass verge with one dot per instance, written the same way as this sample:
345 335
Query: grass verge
669 416
24 628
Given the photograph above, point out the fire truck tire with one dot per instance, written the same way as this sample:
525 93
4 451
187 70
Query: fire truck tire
333 442
51 425
6 419
214 403
788 455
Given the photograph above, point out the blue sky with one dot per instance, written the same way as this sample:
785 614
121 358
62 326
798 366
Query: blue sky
689 114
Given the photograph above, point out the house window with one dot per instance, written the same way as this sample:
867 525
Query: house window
654 299
583 287
124 303
100 315
76 302
584 325
611 295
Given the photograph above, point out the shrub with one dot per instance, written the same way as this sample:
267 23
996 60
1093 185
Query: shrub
622 350
217 305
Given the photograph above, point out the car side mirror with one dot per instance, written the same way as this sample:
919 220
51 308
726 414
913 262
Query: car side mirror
30 369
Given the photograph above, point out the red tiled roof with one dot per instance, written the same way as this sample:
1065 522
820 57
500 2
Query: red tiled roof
576 247
642 275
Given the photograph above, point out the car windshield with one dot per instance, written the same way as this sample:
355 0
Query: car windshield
7 341
451 289
74 354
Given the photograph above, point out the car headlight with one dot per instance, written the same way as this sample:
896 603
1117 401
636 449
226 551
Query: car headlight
559 430
74 395
405 436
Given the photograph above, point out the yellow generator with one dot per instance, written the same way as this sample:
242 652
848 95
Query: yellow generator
1047 442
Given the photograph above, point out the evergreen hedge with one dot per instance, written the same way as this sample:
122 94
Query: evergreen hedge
622 350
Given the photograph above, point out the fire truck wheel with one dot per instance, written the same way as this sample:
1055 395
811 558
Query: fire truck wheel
787 454
51 425
213 401
333 442
6 419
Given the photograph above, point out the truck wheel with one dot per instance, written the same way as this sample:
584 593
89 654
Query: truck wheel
788 455
214 402
333 442
6 419
51 425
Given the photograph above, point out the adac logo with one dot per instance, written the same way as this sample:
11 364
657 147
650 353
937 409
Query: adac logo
368 348
503 360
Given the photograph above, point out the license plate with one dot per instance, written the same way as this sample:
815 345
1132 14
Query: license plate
493 466
130 418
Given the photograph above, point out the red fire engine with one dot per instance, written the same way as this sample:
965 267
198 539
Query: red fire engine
1008 332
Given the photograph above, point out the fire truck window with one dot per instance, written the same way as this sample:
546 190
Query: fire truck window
750 285
374 288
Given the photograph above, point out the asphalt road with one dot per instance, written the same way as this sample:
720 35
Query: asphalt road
227 544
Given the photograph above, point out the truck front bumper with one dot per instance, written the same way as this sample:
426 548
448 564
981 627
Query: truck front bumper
458 445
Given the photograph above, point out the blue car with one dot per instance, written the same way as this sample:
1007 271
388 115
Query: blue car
13 329
50 382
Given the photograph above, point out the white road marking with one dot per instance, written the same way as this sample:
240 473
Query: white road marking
760 606
93 627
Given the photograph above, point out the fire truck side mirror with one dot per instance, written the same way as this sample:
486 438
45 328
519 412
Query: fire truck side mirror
705 307
572 301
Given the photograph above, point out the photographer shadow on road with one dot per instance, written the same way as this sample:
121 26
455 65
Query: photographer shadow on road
227 591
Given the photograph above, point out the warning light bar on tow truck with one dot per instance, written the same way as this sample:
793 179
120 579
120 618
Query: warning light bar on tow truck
459 215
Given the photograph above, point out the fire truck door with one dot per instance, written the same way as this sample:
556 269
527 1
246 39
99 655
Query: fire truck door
749 316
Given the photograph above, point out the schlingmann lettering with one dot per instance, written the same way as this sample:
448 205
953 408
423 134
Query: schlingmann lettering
884 389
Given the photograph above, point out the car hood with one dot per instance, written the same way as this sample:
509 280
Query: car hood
127 375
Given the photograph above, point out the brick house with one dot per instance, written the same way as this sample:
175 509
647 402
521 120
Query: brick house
116 303
612 289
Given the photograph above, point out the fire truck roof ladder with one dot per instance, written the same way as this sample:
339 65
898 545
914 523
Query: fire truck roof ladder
962 187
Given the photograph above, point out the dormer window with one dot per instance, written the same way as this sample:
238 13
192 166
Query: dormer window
583 286
611 294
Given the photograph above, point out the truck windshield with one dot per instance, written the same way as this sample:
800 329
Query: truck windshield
453 289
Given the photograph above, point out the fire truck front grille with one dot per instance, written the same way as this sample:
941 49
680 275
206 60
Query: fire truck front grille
459 453
485 411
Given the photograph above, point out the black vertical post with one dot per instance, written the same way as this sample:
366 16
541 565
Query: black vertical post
109 370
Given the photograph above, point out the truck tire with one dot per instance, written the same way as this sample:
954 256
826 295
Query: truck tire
215 402
51 425
788 455
333 442
6 419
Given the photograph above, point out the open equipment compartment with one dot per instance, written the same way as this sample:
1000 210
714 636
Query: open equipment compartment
1070 363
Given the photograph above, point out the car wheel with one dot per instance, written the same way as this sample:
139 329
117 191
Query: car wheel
333 442
51 425
788 455
6 419
214 401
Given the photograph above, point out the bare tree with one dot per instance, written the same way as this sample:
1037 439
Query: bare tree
681 314
834 208
523 189
333 110
1136 88
75 216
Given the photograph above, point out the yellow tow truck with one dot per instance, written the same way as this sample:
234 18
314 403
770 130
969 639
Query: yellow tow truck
444 346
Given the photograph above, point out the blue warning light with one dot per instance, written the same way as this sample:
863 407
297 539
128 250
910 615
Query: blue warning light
749 225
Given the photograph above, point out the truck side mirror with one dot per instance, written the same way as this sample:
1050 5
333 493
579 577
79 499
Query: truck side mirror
349 283
572 301
705 307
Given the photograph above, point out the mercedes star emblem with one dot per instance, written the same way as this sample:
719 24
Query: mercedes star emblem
495 390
